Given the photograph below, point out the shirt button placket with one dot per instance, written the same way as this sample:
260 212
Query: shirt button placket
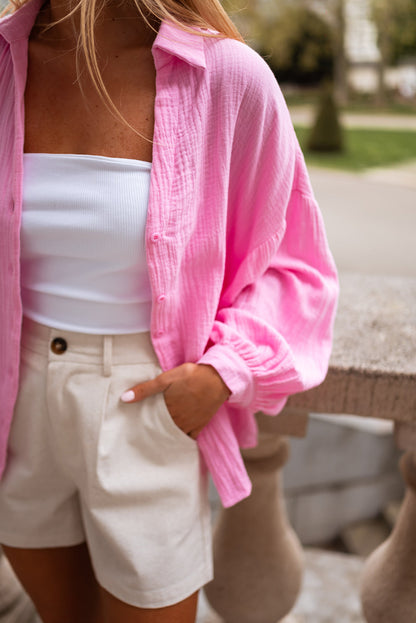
156 238
161 314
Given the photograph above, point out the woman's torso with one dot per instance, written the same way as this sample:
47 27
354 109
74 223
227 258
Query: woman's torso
65 115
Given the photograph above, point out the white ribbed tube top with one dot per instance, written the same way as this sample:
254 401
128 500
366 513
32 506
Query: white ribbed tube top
83 259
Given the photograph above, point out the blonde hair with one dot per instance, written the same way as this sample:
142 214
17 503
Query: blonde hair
186 14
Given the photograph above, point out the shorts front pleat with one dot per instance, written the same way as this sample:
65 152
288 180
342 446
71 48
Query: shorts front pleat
82 465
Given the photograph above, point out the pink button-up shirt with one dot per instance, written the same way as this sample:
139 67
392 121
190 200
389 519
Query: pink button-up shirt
241 274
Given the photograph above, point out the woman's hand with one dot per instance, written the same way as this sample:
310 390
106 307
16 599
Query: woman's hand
193 394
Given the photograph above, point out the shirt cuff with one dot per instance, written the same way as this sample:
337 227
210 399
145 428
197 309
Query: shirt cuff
234 372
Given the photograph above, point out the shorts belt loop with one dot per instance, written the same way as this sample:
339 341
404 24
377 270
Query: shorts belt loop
107 355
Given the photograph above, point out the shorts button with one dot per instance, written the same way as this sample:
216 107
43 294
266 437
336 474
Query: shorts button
59 345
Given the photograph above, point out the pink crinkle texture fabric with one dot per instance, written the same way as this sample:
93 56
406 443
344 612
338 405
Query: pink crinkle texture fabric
242 277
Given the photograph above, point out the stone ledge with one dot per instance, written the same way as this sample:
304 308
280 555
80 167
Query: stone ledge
361 392
372 370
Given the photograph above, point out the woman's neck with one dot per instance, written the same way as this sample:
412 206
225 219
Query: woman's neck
119 25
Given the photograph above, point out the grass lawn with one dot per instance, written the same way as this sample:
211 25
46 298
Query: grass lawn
364 149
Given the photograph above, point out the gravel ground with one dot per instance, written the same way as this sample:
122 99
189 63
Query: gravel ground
329 594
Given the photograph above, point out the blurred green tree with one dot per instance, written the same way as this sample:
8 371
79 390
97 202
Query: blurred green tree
299 44
299 37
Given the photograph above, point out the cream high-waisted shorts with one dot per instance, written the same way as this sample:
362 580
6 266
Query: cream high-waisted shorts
83 466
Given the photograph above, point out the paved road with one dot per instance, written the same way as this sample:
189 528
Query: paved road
370 217
371 224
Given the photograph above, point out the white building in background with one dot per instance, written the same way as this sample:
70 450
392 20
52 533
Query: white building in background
361 33
361 46
364 56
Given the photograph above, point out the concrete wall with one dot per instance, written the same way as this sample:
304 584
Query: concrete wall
345 470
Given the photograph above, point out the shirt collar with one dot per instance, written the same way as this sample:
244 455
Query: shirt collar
181 43
170 37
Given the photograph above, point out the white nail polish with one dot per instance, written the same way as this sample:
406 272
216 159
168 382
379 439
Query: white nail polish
128 396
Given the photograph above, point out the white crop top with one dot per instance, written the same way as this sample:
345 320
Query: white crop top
83 260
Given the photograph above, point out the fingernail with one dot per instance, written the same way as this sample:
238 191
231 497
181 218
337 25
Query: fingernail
128 396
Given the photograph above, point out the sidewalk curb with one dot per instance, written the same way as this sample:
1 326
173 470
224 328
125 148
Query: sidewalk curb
403 176
305 115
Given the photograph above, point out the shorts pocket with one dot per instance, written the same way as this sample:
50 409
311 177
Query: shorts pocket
170 425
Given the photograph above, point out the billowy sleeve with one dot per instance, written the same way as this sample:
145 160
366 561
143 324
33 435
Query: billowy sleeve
272 333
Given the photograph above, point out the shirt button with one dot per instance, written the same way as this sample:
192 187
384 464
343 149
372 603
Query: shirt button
161 298
59 345
156 236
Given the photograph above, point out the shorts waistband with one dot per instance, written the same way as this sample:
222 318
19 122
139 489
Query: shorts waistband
63 345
